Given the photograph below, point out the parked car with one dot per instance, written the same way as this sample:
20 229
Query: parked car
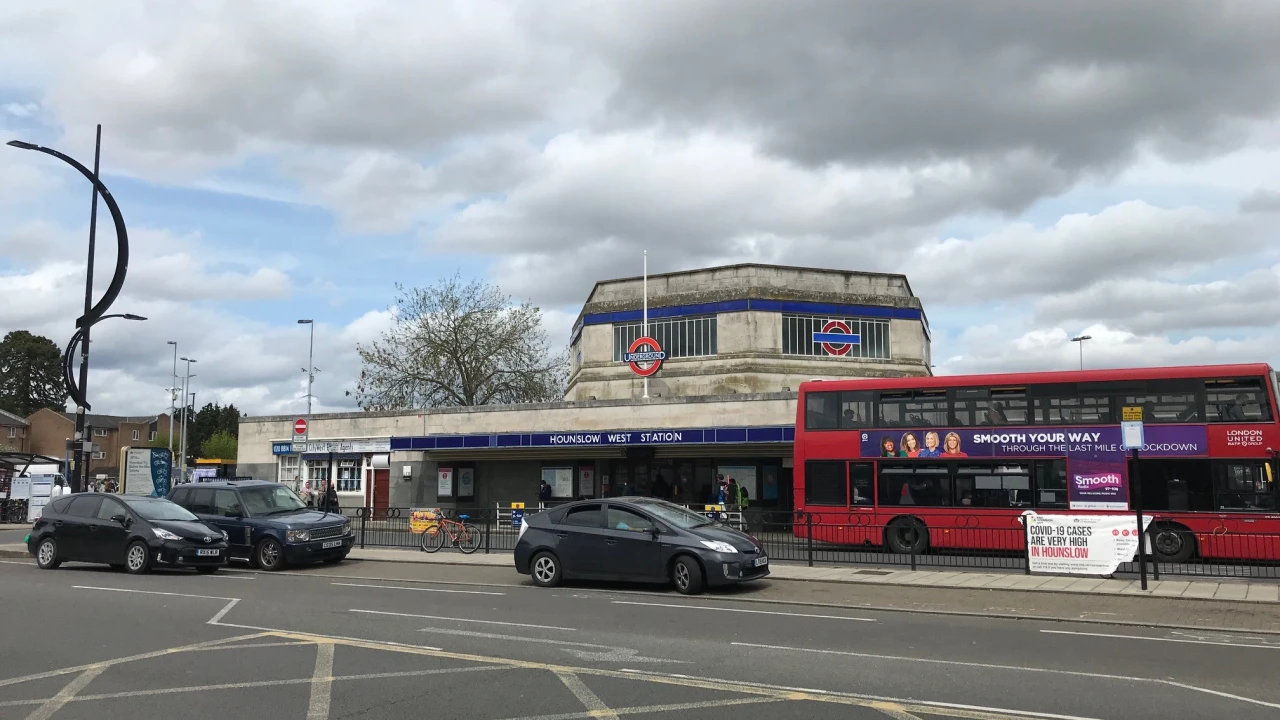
636 539
126 532
267 523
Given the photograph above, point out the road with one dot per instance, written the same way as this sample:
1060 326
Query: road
363 639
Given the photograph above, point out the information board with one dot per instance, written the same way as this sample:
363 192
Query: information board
1081 544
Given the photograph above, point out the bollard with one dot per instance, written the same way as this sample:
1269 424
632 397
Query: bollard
364 517
808 520
1155 564
488 522
1026 543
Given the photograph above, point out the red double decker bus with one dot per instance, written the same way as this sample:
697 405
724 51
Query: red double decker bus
905 462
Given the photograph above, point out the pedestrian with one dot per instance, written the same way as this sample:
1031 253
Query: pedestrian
331 499
731 493
661 489
544 492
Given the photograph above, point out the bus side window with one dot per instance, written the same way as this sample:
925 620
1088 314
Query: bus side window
1237 401
855 410
822 411
1050 484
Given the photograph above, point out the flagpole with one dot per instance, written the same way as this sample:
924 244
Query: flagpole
644 329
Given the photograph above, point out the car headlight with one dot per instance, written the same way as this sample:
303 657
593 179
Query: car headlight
294 536
165 534
225 536
720 547
348 528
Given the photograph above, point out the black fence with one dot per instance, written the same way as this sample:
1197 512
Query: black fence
796 537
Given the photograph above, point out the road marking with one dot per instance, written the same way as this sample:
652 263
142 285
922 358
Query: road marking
516 638
467 620
1159 639
894 710
741 610
439 590
619 655
150 592
589 700
321 683
55 703
655 709
225 576
223 612
258 683
130 658
18 562
986 666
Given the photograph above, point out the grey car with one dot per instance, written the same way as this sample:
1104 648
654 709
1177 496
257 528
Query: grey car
636 539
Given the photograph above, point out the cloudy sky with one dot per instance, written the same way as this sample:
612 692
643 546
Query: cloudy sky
1037 169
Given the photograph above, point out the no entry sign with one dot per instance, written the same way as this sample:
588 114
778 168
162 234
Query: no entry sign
300 430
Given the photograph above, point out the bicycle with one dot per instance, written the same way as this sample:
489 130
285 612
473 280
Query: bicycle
461 534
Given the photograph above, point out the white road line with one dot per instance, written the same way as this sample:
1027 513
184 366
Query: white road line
466 620
1159 639
655 709
515 638
18 562
55 703
740 610
224 576
589 700
151 592
861 696
1017 668
321 683
130 658
266 630
398 587
223 612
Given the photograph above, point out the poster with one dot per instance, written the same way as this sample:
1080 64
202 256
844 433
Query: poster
444 482
1081 544
423 520
769 490
146 471
466 482
586 481
561 481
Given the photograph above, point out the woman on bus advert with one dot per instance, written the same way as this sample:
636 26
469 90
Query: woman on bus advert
910 446
886 447
930 445
951 446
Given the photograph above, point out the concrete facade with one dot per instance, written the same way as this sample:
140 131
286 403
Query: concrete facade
747 304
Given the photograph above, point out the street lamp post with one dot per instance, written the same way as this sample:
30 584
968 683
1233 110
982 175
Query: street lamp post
92 312
1080 339
186 385
310 369
173 395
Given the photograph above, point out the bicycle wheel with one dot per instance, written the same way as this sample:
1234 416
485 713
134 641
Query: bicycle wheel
469 539
433 540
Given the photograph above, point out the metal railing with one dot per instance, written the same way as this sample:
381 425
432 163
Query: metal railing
796 537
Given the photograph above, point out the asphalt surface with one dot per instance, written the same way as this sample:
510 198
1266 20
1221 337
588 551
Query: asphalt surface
362 639
13 536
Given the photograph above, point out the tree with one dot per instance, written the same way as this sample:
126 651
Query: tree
203 425
161 441
459 343
30 374
222 445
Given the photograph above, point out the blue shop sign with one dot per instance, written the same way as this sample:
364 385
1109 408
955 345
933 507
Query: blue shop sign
603 438
286 448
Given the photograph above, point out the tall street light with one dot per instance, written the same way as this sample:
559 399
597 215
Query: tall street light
310 369
92 313
186 385
81 338
173 395
1080 339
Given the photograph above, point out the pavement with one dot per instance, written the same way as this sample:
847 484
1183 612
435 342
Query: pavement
359 639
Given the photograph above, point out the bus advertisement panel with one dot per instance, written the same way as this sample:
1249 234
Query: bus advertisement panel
884 460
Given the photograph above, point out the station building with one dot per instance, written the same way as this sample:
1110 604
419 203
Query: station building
726 350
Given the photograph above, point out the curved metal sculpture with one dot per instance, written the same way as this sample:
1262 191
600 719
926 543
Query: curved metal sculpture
122 235
68 359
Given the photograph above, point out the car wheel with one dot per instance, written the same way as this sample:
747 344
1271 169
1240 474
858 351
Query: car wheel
686 573
269 555
47 554
545 570
135 558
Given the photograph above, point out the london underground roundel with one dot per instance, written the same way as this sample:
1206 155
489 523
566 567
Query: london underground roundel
836 338
644 356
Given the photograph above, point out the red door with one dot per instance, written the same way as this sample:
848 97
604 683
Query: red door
381 492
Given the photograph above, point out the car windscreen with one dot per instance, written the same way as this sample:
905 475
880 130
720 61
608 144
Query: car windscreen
270 500
675 515
161 510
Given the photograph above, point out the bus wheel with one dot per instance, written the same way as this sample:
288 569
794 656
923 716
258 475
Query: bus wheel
906 536
1172 543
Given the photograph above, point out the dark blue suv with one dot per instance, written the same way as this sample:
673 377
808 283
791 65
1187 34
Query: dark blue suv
266 523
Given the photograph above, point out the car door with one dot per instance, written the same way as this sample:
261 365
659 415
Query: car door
228 516
580 540
72 530
107 535
631 551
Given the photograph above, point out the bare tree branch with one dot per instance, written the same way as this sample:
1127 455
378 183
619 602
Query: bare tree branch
459 343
